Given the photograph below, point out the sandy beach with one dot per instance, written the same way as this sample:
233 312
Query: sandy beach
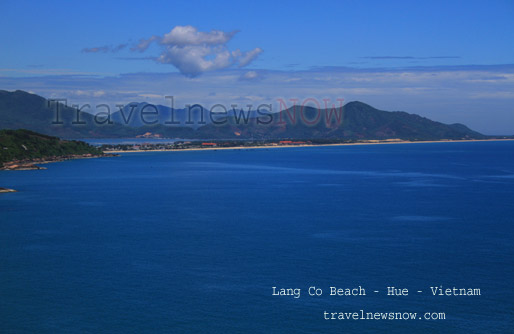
307 145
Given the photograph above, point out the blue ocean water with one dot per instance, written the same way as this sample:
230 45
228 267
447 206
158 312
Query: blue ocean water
193 242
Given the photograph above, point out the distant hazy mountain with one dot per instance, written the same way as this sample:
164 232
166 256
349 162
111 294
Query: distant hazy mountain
22 110
356 120
138 114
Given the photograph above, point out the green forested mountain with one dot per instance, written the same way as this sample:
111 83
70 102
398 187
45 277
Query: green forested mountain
358 121
20 109
26 144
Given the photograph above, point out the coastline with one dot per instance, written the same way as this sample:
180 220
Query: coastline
306 145
31 164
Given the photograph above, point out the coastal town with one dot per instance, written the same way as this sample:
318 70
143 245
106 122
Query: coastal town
233 144
188 145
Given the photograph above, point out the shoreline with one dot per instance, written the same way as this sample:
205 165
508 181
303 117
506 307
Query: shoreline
32 164
306 145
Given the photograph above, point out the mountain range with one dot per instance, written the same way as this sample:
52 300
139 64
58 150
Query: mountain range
354 121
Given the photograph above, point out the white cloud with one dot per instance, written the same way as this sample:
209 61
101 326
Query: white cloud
88 93
105 48
189 35
191 51
46 71
144 43
96 49
247 57
194 52
444 94
251 75
193 60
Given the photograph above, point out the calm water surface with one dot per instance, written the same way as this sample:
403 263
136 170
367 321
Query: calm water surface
193 242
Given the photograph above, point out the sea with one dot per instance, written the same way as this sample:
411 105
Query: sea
221 241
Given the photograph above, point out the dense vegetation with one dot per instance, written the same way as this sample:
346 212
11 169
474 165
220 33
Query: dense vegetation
358 121
22 110
25 145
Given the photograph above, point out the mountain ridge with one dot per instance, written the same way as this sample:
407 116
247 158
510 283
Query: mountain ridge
354 121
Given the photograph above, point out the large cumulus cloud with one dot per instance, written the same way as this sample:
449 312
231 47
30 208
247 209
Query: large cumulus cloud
194 52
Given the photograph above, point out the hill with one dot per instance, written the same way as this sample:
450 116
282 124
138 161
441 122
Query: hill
22 110
25 145
133 115
354 121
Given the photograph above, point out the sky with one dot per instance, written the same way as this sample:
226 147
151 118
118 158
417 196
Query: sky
451 61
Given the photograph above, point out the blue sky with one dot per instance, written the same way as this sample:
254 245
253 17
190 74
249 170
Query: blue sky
451 61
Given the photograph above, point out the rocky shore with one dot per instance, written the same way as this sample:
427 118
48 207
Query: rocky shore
31 164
